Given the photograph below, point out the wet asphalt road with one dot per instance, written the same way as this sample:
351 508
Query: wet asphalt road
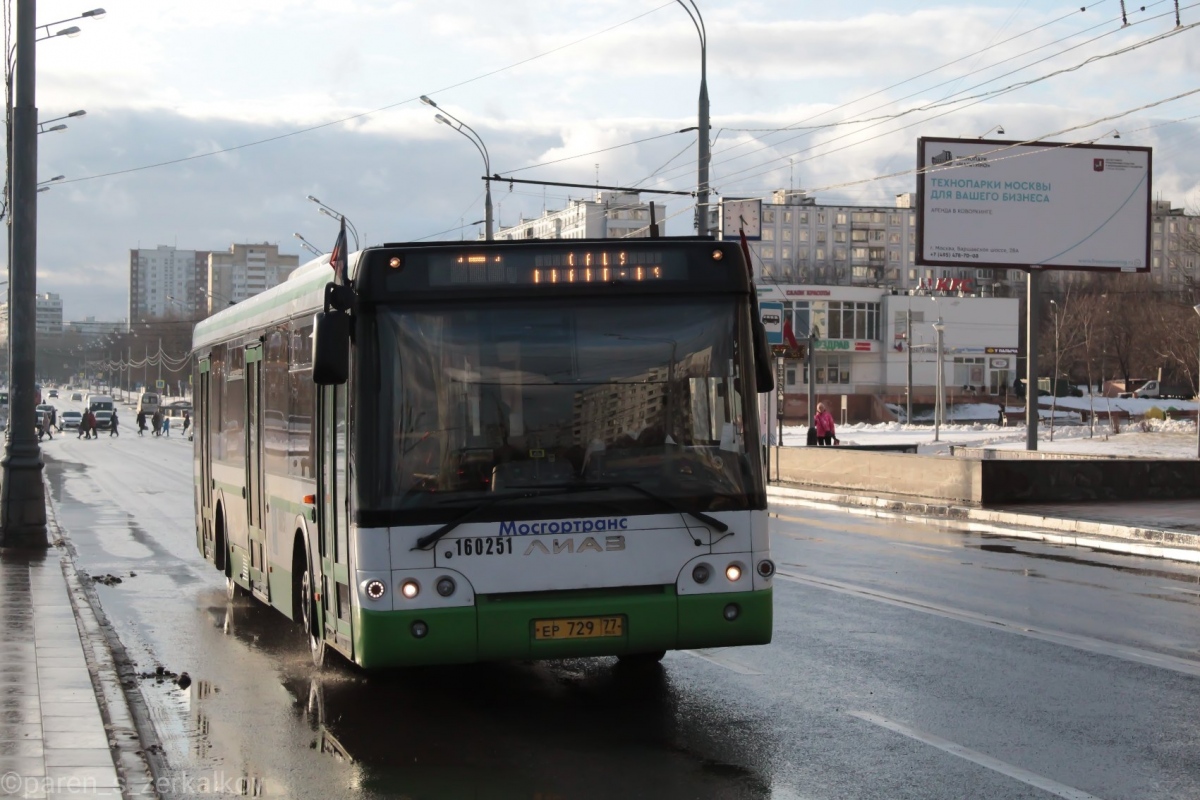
909 661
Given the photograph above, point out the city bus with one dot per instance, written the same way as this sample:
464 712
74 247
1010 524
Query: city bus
461 452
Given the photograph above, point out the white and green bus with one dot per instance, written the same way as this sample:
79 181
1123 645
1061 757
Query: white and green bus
469 452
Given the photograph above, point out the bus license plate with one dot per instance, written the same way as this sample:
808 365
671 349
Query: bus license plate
578 628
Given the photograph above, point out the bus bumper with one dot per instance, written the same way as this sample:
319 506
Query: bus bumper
501 628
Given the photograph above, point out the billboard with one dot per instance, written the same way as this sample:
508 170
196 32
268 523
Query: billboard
996 204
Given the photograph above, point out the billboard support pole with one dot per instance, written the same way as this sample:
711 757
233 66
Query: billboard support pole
1031 367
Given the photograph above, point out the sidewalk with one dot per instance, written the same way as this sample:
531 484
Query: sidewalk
1155 528
65 728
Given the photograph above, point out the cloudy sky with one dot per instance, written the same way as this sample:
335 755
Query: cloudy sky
261 102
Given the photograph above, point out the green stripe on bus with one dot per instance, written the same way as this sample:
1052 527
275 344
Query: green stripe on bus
280 504
229 487
503 631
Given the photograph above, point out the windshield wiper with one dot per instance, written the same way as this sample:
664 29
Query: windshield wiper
666 501
428 539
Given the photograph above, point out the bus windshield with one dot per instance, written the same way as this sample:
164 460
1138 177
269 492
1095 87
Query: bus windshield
476 400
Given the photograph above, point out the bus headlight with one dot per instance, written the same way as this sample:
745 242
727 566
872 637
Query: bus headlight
766 568
701 573
374 589
446 586
732 612
419 629
410 589
733 572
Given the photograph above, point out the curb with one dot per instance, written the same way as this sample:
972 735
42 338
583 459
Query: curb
137 752
1149 542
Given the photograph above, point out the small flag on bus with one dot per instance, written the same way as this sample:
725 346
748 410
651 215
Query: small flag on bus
337 257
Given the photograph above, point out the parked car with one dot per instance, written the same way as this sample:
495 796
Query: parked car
69 420
1153 388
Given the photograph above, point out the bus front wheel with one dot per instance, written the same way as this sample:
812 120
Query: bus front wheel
308 612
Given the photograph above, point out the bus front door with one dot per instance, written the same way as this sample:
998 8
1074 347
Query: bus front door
334 538
255 516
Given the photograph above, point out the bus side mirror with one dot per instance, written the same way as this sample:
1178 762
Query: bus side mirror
764 371
331 348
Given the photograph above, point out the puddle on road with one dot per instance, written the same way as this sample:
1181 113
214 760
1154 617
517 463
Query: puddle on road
257 710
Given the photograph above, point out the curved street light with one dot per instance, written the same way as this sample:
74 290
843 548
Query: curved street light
43 129
307 245
339 216
475 139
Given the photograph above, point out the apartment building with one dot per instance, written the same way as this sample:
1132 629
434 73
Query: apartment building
163 282
608 215
244 271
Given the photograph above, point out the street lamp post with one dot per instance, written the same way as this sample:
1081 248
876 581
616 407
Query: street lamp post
693 11
939 401
22 498
446 118
307 245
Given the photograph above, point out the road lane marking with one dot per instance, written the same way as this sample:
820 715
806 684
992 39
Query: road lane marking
930 548
1085 643
976 757
719 658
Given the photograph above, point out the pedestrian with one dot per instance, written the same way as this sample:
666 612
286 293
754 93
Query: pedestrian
1003 422
83 420
187 422
823 422
92 431
112 430
44 425
156 423
141 423
166 426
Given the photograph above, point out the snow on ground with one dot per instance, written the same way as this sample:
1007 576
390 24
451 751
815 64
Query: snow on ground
1153 439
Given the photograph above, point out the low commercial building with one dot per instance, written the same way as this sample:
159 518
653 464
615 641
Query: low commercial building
864 346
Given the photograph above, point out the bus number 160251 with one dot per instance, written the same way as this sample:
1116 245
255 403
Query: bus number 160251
484 546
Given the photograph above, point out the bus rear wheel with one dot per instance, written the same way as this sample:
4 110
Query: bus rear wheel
308 617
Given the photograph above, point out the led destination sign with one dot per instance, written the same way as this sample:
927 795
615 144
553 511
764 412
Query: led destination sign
542 267
567 267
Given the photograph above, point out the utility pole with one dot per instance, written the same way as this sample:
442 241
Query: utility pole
908 347
810 358
1031 359
22 496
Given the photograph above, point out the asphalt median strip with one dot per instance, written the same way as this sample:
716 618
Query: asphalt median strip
137 752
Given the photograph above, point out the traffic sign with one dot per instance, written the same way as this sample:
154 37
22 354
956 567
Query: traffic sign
771 315
160 383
